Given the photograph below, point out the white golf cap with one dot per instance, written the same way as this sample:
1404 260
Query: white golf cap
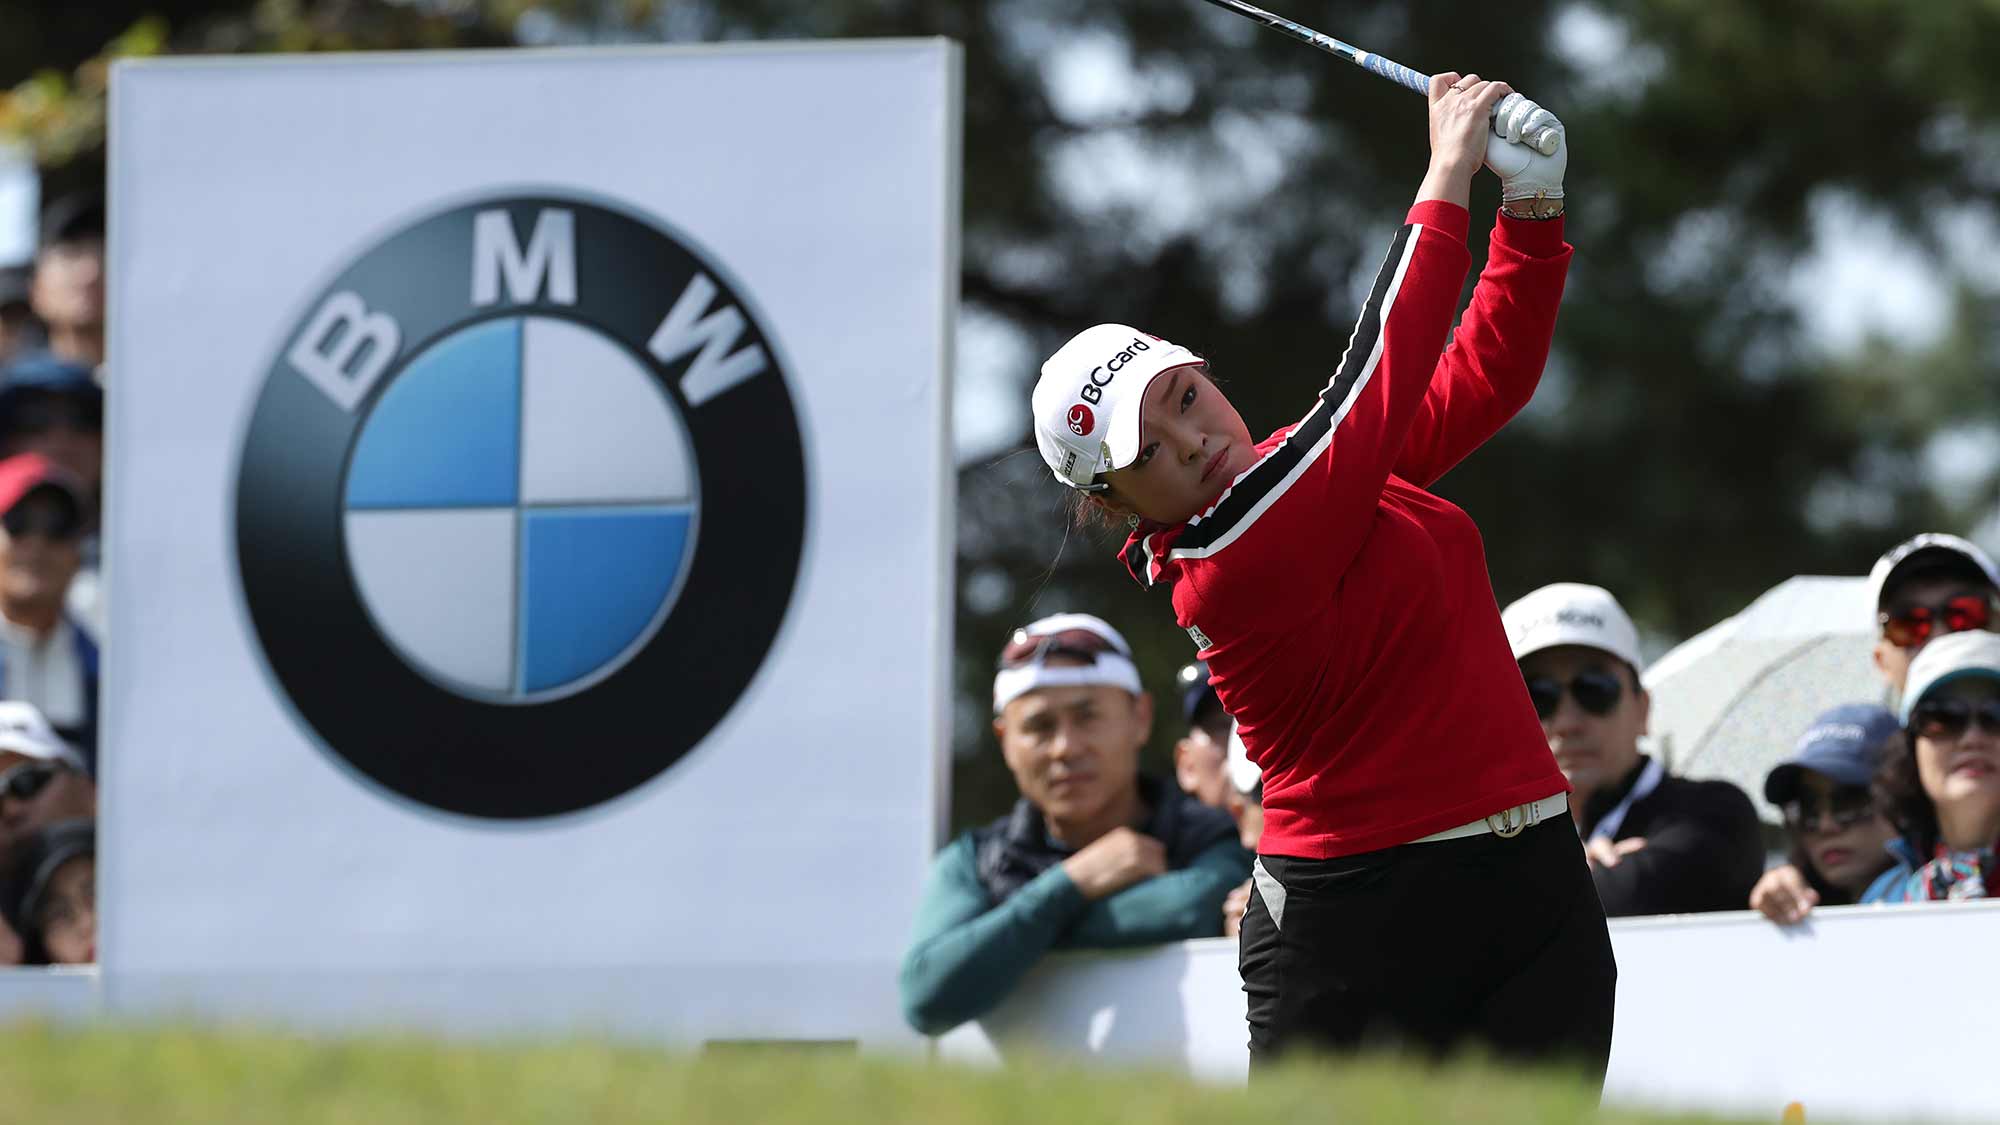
1024 665
1087 401
1930 543
1954 656
24 730
1570 613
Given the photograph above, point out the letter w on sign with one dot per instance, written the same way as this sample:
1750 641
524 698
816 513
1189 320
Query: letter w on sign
689 326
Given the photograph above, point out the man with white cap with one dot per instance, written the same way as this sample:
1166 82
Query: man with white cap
1094 855
42 778
1924 587
1657 844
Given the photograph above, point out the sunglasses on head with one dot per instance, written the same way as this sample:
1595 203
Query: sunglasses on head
1949 719
1596 692
23 782
1912 626
1027 648
1845 807
52 522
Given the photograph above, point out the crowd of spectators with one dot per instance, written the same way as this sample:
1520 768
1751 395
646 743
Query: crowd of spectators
1880 804
51 600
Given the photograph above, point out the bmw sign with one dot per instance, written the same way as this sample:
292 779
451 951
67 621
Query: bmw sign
521 506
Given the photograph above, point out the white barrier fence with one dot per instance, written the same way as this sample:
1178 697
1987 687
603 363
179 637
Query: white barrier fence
1861 1010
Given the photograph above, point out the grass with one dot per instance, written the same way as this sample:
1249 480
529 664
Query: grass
55 1076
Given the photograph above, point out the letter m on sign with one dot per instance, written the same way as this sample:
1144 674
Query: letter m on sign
549 260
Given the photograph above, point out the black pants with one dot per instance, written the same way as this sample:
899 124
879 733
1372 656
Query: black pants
1484 941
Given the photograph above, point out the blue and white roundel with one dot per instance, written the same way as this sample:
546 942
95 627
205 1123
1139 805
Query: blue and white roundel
520 509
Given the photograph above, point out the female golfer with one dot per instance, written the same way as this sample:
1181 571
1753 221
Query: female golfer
1418 882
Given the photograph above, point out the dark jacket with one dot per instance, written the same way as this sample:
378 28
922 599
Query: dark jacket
1704 850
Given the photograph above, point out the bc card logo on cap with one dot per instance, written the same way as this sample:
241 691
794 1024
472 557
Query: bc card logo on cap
521 507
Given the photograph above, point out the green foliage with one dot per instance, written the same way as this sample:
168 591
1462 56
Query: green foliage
72 1078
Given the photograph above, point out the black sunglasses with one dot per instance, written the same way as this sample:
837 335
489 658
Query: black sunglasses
24 782
1845 807
1596 692
58 523
1949 719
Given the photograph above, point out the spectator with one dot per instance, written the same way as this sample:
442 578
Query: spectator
1657 844
1927 586
1943 790
1246 804
20 332
68 288
45 657
1094 855
51 894
51 406
42 778
1201 755
1839 837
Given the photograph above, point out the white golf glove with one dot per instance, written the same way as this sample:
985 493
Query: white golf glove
1530 183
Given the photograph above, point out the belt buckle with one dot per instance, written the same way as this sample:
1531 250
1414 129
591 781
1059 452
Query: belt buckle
1509 823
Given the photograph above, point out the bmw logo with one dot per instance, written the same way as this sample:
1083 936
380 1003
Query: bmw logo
521 506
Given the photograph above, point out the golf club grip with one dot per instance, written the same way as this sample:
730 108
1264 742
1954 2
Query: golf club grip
1394 71
1544 142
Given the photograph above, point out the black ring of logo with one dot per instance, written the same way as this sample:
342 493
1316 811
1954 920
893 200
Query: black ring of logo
515 761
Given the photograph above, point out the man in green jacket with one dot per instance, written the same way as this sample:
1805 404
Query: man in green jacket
1093 856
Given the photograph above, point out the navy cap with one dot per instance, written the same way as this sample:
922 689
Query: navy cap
44 372
1197 694
1844 744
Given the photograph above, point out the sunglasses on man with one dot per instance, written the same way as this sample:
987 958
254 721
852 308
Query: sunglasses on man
1947 720
1597 693
1025 648
26 781
1844 807
57 523
1911 626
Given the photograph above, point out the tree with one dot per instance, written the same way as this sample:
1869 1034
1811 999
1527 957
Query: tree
1691 445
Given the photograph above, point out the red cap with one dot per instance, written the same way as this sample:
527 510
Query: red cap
25 472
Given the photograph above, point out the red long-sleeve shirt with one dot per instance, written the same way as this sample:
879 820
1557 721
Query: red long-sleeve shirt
1345 612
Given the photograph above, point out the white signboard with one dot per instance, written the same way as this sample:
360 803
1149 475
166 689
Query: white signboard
1721 1012
529 548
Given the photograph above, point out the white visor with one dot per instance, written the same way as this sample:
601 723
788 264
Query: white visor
1106 669
1088 400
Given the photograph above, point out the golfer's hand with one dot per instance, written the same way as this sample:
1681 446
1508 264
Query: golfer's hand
1783 895
1531 184
1461 112
1606 853
1114 861
1233 908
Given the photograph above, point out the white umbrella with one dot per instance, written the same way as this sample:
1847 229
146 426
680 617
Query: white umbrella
1731 701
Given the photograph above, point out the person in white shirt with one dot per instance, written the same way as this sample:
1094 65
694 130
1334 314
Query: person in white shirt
45 658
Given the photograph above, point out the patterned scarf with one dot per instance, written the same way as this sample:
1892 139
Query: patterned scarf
1952 876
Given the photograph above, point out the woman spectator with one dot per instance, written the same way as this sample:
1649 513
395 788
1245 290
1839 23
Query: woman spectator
1838 834
1943 792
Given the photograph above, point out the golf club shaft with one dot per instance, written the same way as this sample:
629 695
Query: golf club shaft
1375 64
